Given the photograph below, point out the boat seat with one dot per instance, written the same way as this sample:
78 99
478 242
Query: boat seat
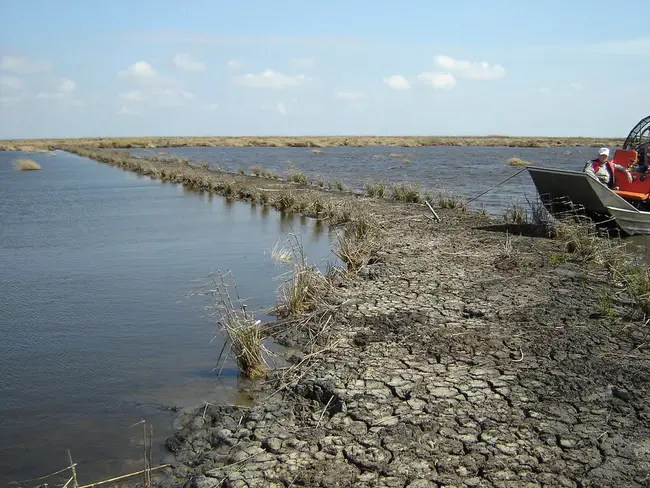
625 157
632 195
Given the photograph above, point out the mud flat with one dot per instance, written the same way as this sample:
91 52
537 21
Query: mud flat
39 145
465 352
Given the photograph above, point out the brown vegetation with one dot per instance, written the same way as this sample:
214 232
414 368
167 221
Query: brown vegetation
310 142
26 165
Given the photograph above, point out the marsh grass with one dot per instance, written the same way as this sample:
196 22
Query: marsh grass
257 170
376 189
26 165
516 214
297 176
407 192
304 285
359 241
519 162
244 334
452 201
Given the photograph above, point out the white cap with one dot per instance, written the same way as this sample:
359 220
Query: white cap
603 150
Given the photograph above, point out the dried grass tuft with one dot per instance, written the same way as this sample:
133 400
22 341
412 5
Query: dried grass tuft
245 340
26 165
305 285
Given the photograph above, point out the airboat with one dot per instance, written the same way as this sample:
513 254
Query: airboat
626 204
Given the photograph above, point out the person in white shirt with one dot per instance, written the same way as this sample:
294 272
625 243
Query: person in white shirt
603 170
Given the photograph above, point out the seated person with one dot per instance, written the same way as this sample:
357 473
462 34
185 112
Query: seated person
603 170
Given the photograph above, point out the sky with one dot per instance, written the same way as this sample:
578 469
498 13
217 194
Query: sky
79 68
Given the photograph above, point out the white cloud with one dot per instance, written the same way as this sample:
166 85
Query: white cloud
133 96
22 65
65 89
142 72
235 65
187 95
127 111
397 82
211 106
10 82
67 86
281 108
183 61
437 80
302 63
49 95
545 90
469 69
576 86
350 95
269 79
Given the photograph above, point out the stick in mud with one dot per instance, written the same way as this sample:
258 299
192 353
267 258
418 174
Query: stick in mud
74 470
432 210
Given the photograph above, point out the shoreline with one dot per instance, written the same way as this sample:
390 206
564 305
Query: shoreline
307 141
465 352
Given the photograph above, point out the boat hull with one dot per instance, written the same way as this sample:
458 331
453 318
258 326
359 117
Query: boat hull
580 189
563 192
631 222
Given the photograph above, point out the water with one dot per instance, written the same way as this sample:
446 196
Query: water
467 171
97 331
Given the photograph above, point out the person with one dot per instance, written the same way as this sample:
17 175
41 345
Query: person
602 169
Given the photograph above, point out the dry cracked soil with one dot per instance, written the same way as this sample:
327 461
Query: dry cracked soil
460 361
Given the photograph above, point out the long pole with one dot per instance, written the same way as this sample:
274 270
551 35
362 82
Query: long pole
498 184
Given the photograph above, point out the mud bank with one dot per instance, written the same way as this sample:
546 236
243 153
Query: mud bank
465 353
315 142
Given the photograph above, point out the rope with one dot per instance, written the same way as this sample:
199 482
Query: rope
498 184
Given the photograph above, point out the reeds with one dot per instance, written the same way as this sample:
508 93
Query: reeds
360 240
519 162
243 332
452 201
376 189
305 285
407 192
26 165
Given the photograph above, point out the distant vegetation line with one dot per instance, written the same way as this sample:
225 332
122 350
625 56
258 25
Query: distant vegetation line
35 145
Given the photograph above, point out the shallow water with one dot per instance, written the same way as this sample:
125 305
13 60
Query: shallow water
468 171
98 331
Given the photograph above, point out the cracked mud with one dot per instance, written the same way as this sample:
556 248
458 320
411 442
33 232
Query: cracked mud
459 364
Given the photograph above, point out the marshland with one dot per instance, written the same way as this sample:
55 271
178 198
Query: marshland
476 343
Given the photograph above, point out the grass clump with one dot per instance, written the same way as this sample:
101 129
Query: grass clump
26 165
452 201
285 201
407 192
257 170
519 162
359 240
244 334
515 214
297 177
205 165
306 285
376 189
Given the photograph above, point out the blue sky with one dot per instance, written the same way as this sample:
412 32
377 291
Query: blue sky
116 68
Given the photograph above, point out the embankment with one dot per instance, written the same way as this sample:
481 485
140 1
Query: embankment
29 145
465 352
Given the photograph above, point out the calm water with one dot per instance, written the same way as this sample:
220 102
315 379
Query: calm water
464 170
98 333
